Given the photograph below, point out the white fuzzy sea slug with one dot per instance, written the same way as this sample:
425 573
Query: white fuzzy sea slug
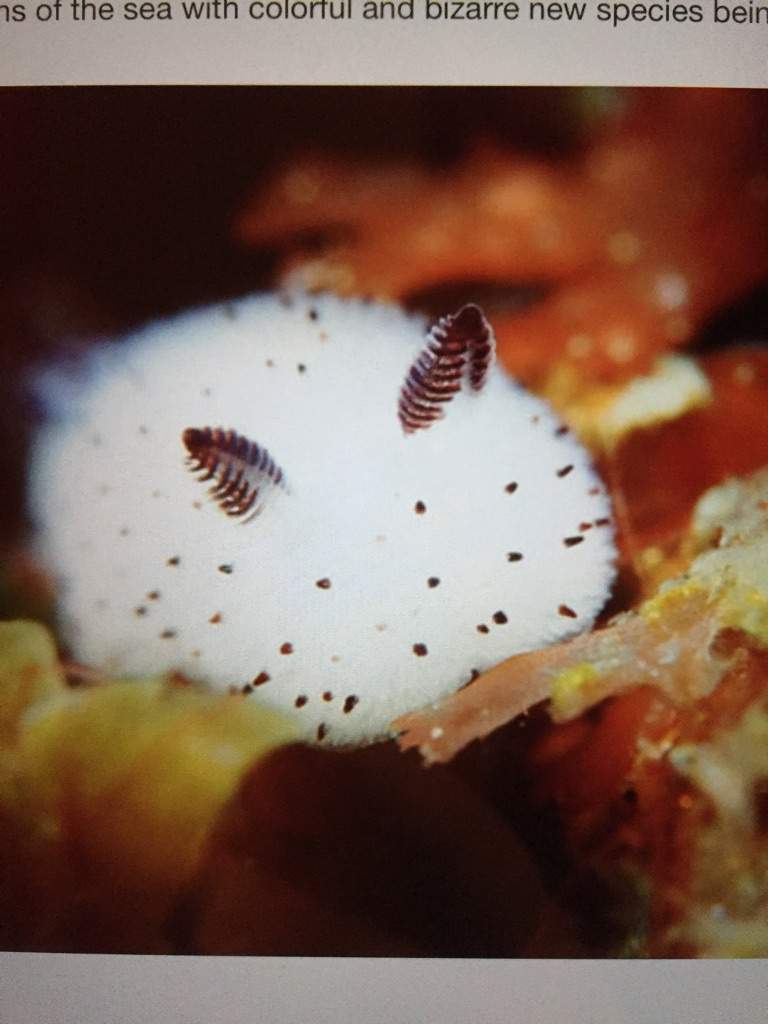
314 502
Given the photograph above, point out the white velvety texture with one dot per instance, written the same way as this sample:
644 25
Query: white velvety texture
137 544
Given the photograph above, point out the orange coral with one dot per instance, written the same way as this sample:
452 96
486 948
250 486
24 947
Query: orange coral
661 473
660 222
623 802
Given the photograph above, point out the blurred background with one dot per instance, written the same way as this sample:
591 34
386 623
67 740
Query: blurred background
602 229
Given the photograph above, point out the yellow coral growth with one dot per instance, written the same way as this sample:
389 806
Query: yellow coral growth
570 686
729 898
118 785
29 672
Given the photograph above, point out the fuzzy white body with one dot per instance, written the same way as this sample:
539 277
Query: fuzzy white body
138 546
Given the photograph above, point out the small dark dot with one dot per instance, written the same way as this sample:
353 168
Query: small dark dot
535 419
206 392
312 313
322 731
593 491
143 429
567 612
433 581
141 610
511 488
585 526
196 653
286 648
157 494
630 795
261 678
500 618
197 504
419 508
270 363
154 595
247 689
300 701
571 542
215 619
561 431
349 703
324 583
473 675
173 561
301 368
514 556
565 470
482 628
168 634
602 522
420 650
327 696
227 569
124 531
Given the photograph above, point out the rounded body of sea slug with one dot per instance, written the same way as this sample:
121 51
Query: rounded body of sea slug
366 567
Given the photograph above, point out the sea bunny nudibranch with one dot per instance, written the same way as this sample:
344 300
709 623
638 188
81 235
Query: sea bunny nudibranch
300 498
